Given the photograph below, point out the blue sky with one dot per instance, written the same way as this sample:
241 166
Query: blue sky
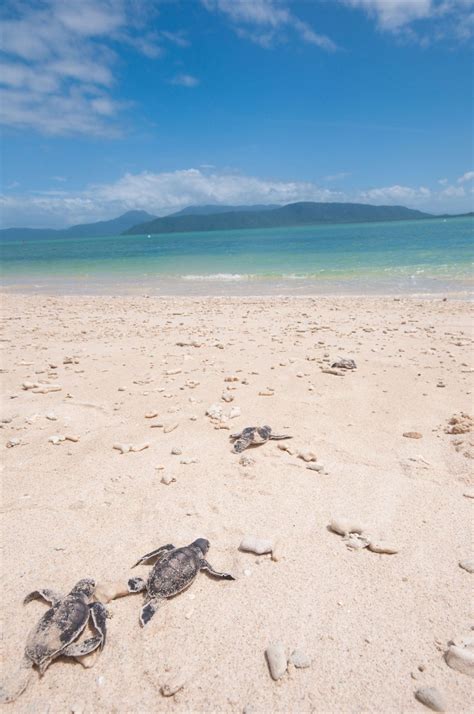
109 105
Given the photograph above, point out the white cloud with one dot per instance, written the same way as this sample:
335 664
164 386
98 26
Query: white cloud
396 194
162 193
392 14
422 20
468 176
58 62
158 193
262 21
453 192
185 80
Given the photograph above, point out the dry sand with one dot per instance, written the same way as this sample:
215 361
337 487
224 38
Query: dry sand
375 627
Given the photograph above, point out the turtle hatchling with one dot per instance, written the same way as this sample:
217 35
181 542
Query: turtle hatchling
58 630
174 570
344 363
253 435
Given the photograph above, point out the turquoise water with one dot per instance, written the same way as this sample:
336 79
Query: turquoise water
408 256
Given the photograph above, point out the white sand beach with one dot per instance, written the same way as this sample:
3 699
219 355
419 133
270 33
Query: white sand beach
375 627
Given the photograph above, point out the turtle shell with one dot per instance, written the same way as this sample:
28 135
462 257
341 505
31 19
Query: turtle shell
59 626
174 572
255 434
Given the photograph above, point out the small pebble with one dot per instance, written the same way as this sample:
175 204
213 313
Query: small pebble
276 659
46 389
151 415
379 546
413 435
123 448
175 451
215 411
354 541
167 479
467 565
315 467
252 544
286 447
12 442
460 655
431 698
307 455
344 526
300 659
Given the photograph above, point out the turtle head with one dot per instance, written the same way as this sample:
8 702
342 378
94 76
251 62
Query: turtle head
202 544
84 587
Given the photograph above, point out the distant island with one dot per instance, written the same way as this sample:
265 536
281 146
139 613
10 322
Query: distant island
114 227
222 218
293 214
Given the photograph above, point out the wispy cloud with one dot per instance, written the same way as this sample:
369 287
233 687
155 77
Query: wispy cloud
423 20
396 194
185 80
265 22
337 177
58 62
162 193
468 176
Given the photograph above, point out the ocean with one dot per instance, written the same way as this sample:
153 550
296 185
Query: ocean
418 257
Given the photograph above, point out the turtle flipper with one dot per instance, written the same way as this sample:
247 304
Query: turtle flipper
80 649
49 595
17 685
136 585
154 554
278 437
148 610
215 573
99 619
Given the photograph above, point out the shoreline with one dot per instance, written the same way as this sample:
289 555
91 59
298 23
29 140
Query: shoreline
212 288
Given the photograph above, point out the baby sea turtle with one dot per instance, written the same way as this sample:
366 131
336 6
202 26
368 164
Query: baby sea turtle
344 363
58 630
174 570
253 435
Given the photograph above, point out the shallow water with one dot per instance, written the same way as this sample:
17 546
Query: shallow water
411 256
